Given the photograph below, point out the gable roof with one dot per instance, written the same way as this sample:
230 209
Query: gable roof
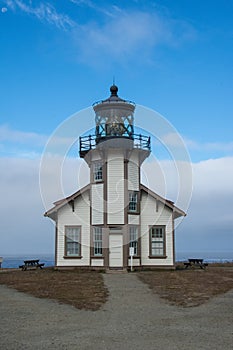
177 212
62 202
68 200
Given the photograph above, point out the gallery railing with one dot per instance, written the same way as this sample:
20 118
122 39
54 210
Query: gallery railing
87 143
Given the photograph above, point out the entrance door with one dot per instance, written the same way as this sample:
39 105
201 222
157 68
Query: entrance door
115 250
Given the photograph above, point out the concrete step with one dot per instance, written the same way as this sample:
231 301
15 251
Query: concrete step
116 271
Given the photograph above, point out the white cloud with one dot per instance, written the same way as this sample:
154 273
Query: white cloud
112 31
209 146
23 229
10 4
219 146
106 10
217 173
209 224
43 12
128 33
16 136
171 179
60 177
4 9
23 144
88 3
175 140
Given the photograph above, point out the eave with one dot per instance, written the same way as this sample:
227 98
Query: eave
177 211
52 213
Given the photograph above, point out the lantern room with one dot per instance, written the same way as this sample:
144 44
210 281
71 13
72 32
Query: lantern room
114 118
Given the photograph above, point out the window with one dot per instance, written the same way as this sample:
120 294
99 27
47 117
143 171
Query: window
133 201
133 238
98 171
157 241
98 241
72 241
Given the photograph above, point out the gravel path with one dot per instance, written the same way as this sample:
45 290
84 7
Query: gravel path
133 318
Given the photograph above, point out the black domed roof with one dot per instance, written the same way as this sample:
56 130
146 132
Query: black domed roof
114 90
113 98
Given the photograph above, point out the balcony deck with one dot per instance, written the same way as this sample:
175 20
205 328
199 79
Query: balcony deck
87 143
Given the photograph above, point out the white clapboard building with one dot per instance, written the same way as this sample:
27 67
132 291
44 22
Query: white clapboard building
97 225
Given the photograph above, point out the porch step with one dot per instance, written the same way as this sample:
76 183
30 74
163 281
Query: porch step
116 271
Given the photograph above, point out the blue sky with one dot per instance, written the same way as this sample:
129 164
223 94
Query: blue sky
58 57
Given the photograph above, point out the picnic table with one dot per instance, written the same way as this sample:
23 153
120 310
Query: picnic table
195 263
31 264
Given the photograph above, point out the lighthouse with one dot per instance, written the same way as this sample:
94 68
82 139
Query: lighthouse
115 154
114 218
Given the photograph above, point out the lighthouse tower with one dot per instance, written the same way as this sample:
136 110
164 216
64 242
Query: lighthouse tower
115 154
114 217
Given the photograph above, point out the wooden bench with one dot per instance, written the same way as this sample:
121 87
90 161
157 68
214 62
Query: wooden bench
31 265
195 263
187 265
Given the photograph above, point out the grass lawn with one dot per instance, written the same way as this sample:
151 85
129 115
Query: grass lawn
188 288
83 290
86 290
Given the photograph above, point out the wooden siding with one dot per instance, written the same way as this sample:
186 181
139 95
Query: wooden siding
115 188
80 217
95 155
133 219
97 262
136 262
97 204
133 173
149 217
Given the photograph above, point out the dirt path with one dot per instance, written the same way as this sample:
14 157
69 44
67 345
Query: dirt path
133 318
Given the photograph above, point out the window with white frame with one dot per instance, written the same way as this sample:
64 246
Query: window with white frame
98 241
133 238
97 171
72 241
157 241
133 201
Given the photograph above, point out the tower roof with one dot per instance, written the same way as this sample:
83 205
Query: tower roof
113 98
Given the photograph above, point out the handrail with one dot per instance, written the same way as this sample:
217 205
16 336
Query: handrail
113 101
86 143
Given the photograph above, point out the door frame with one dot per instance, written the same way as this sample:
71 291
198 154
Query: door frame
116 232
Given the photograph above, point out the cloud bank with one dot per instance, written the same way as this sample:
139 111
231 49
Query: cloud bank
23 229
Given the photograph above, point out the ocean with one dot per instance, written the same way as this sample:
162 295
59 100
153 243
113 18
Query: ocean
48 260
208 257
15 261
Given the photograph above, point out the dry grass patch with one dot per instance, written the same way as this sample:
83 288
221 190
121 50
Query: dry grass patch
189 288
83 290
